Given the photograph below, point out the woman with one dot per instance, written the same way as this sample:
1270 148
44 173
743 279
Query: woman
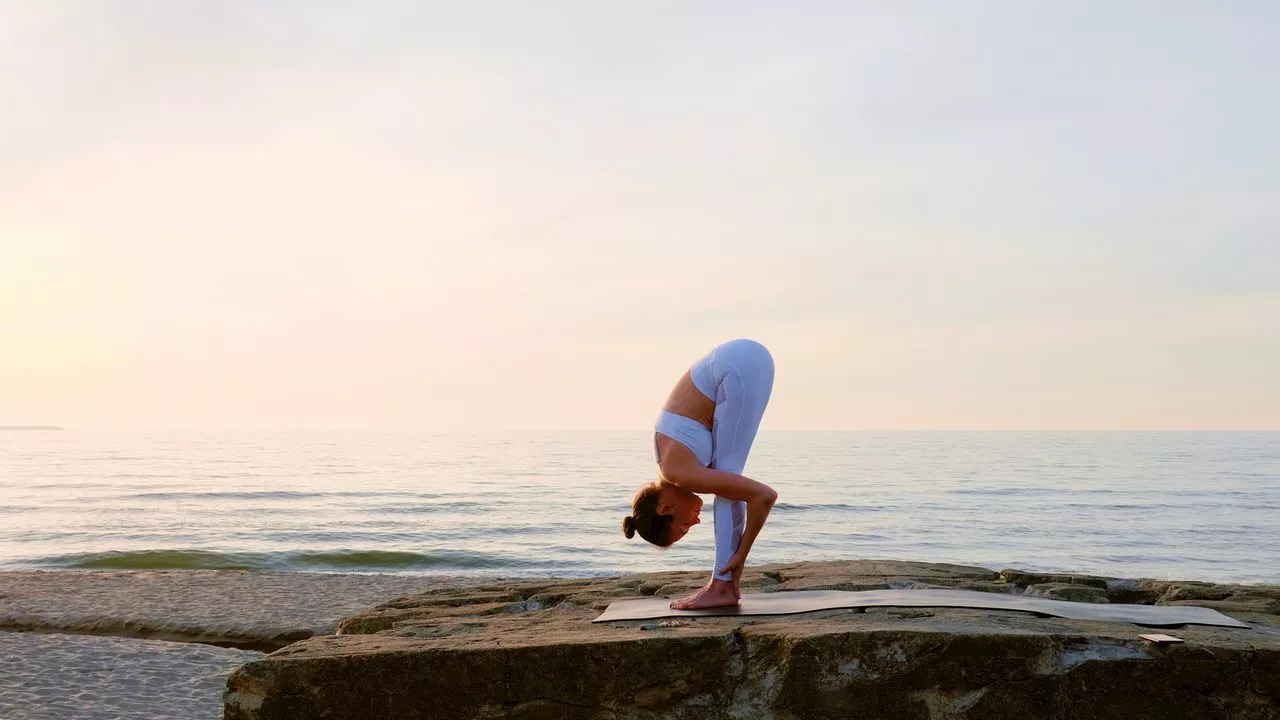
701 441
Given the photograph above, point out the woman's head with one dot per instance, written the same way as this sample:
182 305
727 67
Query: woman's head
662 513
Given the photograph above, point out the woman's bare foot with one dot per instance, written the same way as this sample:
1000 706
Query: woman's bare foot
717 593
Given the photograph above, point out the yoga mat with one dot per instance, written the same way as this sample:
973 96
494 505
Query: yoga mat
802 601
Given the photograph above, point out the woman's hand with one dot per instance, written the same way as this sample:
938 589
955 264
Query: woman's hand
736 565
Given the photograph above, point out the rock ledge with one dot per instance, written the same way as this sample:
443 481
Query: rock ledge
528 650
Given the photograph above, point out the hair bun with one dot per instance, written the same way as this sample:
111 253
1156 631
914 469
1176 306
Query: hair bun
629 527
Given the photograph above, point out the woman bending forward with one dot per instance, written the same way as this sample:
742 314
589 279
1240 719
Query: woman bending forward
701 441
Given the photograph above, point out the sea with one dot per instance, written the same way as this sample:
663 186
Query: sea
1168 505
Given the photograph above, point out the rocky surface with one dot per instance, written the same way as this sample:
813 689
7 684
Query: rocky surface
529 650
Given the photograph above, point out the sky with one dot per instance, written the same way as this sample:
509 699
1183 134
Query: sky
470 216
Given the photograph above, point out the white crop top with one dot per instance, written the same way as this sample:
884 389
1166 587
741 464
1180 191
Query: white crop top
686 431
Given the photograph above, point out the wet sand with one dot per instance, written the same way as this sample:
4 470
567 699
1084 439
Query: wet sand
117 645
110 678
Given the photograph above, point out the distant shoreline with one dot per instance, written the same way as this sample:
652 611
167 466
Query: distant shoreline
31 427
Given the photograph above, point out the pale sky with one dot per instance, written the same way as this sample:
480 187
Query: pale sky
234 215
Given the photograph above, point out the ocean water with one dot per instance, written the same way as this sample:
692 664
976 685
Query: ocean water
1165 505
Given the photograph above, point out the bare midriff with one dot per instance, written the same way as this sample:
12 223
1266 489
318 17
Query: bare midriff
687 400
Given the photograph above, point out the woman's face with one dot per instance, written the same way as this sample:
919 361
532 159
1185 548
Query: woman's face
683 506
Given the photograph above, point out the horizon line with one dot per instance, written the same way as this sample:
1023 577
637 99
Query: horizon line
763 430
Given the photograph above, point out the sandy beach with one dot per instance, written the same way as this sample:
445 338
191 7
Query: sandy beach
159 644
45 675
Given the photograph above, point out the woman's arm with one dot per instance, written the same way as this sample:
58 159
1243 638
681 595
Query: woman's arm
680 467
757 513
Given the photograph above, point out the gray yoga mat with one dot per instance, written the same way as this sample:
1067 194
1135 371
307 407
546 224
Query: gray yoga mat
802 601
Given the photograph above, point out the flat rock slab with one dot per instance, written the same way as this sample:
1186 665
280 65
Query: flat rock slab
530 651
805 601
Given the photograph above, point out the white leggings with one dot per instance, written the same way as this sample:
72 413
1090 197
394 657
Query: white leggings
738 375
